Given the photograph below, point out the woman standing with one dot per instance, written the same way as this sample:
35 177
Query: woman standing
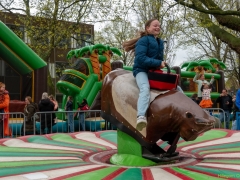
148 48
4 108
54 101
29 110
46 119
69 107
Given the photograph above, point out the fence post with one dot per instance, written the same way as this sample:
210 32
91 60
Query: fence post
238 120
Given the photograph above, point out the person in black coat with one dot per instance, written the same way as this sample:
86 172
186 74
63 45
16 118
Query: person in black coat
225 103
194 97
46 119
69 107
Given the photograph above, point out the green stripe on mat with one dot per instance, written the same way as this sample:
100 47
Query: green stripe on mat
195 175
29 169
164 144
20 149
232 145
222 161
131 173
217 171
69 139
110 136
209 135
44 140
227 150
97 174
5 164
33 154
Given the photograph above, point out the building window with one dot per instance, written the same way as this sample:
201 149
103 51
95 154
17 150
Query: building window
18 30
65 42
81 40
60 66
11 79
27 38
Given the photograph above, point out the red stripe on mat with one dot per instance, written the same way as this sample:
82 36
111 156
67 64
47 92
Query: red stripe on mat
114 174
79 173
147 174
182 176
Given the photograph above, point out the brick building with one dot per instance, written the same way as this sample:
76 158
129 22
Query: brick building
19 85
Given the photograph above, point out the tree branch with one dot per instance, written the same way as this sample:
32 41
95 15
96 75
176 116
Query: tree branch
210 11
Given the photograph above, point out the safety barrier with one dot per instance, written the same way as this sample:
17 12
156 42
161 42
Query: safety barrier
92 122
238 120
48 124
13 118
219 114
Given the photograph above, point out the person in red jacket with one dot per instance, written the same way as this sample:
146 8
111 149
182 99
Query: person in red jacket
4 108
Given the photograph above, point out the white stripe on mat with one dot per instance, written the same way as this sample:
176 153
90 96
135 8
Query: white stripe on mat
91 137
223 155
10 159
159 173
234 138
22 144
52 173
224 166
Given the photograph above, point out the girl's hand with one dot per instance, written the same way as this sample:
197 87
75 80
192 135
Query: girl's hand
163 64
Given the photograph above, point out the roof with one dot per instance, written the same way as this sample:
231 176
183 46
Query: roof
16 53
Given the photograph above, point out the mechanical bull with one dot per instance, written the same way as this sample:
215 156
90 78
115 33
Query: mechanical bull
170 115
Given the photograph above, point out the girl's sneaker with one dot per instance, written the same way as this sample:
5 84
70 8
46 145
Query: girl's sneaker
141 123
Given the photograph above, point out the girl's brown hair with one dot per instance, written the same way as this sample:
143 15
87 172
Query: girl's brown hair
51 97
130 45
29 99
2 84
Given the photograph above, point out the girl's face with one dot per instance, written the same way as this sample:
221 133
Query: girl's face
154 28
205 86
2 88
202 77
27 101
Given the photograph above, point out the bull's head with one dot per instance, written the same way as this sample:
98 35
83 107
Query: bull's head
193 125
174 112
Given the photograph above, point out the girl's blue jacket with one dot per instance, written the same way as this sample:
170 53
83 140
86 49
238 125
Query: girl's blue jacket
148 54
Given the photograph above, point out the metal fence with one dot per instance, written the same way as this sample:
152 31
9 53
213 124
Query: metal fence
92 121
237 121
219 115
46 123
12 117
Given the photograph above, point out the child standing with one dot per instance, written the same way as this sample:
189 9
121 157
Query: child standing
206 101
69 107
83 106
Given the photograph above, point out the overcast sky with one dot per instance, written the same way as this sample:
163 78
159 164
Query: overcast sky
181 55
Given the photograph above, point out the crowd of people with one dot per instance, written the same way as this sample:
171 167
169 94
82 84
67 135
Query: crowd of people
44 112
225 101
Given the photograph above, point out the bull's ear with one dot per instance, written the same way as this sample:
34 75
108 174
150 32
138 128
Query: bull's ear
189 115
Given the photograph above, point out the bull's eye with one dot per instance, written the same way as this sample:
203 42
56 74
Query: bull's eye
189 115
